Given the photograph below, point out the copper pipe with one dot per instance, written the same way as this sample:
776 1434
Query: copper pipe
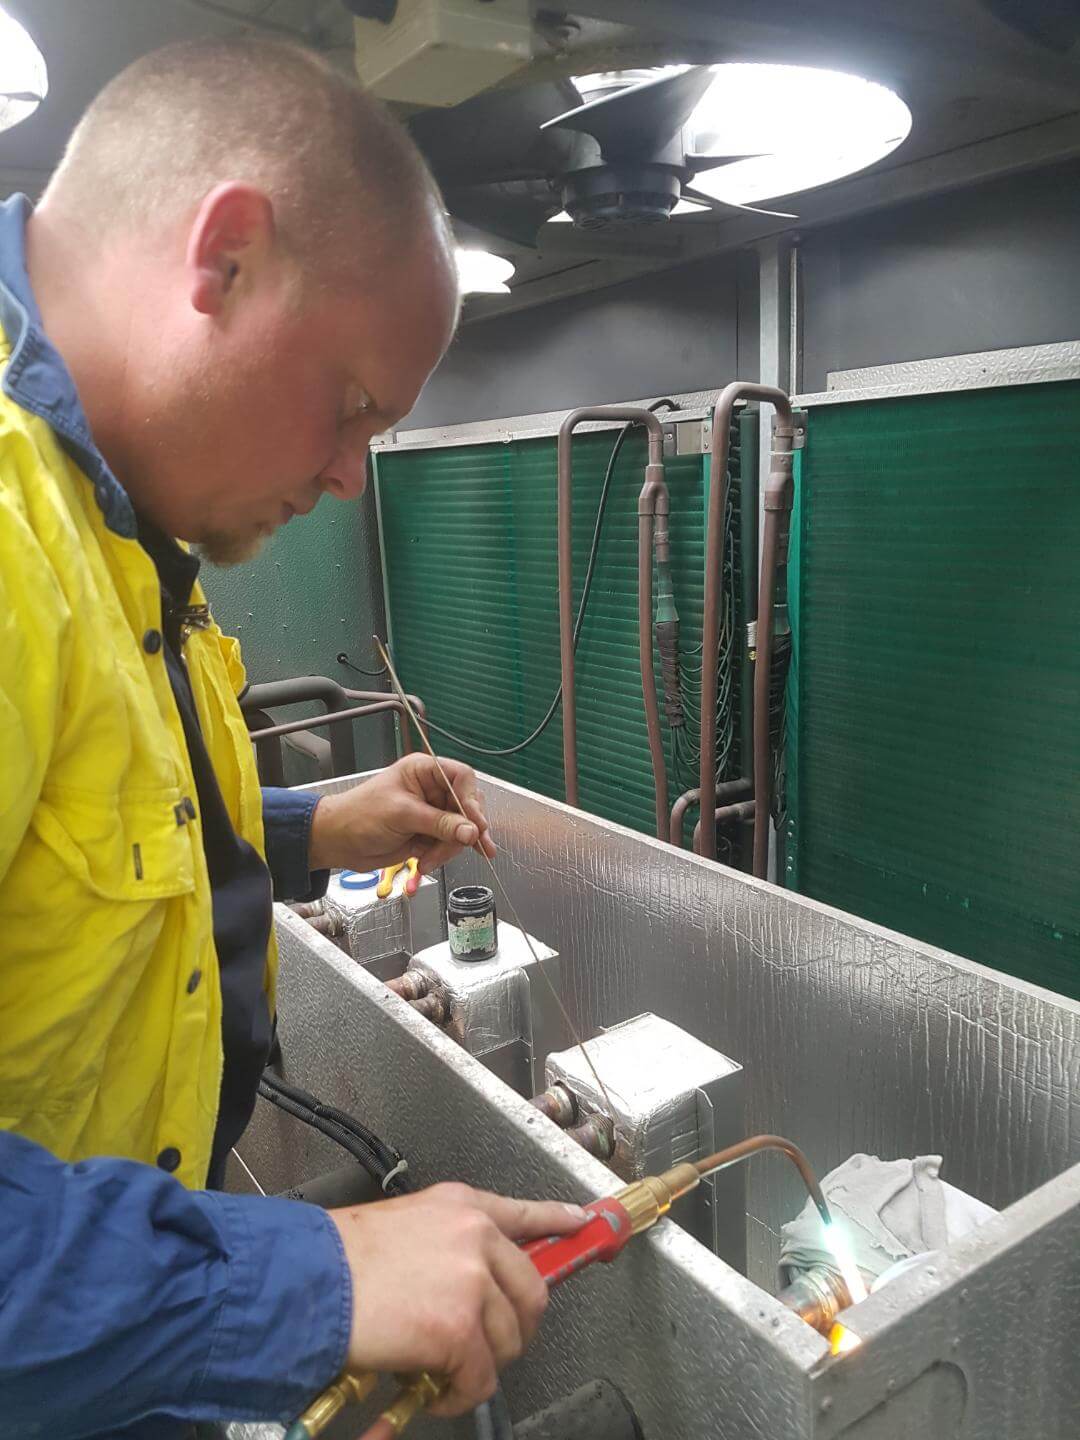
726 815
628 414
404 729
315 722
596 1135
726 791
557 1104
756 1143
714 577
412 985
434 1007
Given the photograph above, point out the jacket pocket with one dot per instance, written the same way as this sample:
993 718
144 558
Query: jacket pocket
138 846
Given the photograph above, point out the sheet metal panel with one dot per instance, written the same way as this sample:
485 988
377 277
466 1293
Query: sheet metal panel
853 1038
723 1359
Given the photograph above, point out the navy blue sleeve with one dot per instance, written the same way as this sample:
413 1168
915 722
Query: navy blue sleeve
287 823
123 1295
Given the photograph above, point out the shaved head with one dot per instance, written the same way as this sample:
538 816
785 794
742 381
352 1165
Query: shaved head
249 271
338 169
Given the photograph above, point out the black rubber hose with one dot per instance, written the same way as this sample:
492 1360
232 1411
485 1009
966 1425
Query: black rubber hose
493 1419
379 1159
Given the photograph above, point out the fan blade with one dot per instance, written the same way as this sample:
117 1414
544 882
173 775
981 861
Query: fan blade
493 137
517 218
696 164
24 95
641 118
714 203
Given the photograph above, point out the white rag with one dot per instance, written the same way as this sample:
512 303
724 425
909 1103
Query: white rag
890 1208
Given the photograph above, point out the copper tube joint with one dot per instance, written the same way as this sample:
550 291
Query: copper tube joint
558 1105
434 1007
413 985
596 1135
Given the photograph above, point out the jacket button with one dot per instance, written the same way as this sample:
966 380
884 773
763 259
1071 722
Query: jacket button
193 981
151 642
169 1159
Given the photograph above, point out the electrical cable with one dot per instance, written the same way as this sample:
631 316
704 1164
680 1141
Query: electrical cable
586 589
343 659
380 1160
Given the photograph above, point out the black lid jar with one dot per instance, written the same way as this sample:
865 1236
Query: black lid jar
471 923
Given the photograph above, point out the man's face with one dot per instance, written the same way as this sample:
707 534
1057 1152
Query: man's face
284 393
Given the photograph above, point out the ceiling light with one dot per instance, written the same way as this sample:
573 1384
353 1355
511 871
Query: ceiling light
810 126
23 77
482 273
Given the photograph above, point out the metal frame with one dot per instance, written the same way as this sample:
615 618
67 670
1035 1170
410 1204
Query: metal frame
980 370
693 405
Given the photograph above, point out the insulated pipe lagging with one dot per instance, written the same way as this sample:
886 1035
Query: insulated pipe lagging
626 414
778 501
654 495
714 584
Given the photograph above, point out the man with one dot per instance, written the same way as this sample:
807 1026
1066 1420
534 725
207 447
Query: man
240 272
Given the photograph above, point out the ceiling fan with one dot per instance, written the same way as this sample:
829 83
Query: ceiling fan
616 166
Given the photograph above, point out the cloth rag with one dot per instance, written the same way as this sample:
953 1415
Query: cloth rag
890 1209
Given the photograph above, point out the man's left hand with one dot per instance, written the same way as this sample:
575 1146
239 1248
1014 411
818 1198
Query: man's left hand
405 811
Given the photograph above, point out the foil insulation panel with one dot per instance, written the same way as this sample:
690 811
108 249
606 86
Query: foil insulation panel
502 1010
852 1039
382 934
673 1099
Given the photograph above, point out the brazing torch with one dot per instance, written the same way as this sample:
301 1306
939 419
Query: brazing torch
612 1223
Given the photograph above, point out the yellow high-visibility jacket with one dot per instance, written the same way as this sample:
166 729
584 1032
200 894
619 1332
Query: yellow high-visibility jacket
110 1001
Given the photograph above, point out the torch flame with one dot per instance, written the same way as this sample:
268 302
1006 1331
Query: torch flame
841 1252
842 1340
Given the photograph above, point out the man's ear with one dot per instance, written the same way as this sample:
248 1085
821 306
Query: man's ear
233 230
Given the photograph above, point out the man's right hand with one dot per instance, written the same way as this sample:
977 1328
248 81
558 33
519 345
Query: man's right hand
440 1285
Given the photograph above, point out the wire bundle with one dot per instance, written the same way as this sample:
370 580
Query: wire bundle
380 1160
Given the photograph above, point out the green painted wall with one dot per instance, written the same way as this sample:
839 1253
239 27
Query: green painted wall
937 687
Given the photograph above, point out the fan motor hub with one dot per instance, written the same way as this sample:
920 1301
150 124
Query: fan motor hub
621 194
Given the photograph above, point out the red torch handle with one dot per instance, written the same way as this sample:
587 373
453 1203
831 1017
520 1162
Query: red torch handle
557 1257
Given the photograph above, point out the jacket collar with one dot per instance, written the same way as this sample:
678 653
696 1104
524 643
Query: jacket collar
36 377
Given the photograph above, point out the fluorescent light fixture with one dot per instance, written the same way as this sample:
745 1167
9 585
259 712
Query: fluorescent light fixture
482 273
24 80
810 126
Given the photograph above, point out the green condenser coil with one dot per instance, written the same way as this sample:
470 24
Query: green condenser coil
469 555
934 703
